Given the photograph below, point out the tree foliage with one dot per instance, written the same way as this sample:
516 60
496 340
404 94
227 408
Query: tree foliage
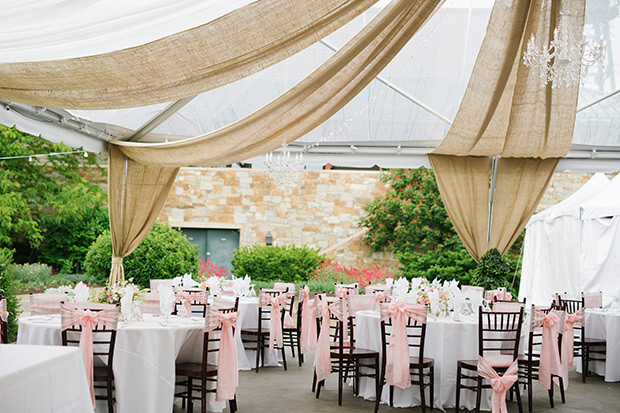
164 253
8 290
48 211
493 271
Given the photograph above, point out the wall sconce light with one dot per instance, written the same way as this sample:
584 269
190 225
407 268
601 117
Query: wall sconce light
269 239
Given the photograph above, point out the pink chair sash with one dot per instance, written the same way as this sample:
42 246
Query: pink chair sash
500 384
593 300
4 314
353 288
507 307
322 358
42 304
381 296
88 319
549 354
199 297
275 322
568 341
342 292
283 286
308 334
227 367
397 362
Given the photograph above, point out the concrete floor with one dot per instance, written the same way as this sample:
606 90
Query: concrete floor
273 390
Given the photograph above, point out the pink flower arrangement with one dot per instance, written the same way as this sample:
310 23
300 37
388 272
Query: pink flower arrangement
209 269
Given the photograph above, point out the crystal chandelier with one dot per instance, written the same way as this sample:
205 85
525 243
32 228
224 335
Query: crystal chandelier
284 169
561 62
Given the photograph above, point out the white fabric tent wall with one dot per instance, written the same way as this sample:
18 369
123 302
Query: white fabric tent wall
552 245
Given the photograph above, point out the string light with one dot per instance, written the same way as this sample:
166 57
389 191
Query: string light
41 155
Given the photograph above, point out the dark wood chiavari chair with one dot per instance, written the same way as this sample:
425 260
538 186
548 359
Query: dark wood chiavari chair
198 306
258 338
4 326
587 349
421 369
104 342
291 335
499 334
203 372
529 363
348 359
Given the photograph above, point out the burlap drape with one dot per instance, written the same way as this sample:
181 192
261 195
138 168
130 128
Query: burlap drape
136 195
506 112
149 169
232 47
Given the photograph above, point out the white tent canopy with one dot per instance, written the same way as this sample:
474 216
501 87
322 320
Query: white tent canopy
574 246
394 122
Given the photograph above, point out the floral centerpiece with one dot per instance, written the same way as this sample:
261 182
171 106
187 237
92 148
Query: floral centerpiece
437 296
112 293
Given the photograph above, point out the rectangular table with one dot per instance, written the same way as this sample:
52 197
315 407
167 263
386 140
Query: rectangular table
43 379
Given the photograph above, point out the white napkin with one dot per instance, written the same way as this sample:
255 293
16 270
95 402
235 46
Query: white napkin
415 283
126 301
189 282
389 281
457 296
241 286
475 298
166 299
81 292
176 281
214 285
401 287
433 296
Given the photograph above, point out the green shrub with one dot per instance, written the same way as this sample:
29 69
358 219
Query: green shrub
443 264
164 253
7 289
268 263
494 271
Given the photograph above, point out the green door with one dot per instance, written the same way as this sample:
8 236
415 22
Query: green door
216 244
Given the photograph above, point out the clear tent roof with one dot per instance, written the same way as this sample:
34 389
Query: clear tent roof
412 103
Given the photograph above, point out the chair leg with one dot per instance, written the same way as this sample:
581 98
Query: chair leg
550 391
562 395
292 343
519 404
284 357
356 382
422 392
110 396
432 389
203 396
478 393
262 351
340 379
233 404
318 388
258 351
587 369
314 382
529 391
190 392
584 367
378 385
391 396
458 389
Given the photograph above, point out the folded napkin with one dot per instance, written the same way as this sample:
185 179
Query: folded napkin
433 296
415 283
126 301
456 301
241 286
214 285
166 299
188 281
81 292
401 287
389 281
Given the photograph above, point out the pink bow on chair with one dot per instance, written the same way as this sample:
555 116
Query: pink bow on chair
322 358
500 384
88 319
227 367
397 362
568 341
4 314
308 321
275 322
381 296
549 355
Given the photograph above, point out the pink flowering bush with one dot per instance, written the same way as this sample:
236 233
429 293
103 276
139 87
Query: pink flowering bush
209 269
334 272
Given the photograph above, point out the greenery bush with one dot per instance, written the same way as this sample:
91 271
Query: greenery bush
443 264
164 253
494 271
7 289
34 278
268 263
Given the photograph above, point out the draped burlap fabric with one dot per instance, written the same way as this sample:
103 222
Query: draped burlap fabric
506 112
136 195
219 52
141 175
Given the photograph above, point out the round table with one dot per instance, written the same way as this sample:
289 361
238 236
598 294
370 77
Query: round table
447 341
43 379
604 325
144 357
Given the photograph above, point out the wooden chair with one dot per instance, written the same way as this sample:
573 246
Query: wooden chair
348 359
198 301
353 288
104 341
529 363
203 372
4 324
588 349
258 338
499 334
291 335
44 304
421 369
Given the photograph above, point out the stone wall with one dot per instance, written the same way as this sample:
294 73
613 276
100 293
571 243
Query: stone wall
320 212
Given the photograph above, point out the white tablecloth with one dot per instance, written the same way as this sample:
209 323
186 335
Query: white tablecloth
447 342
144 358
36 379
604 325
